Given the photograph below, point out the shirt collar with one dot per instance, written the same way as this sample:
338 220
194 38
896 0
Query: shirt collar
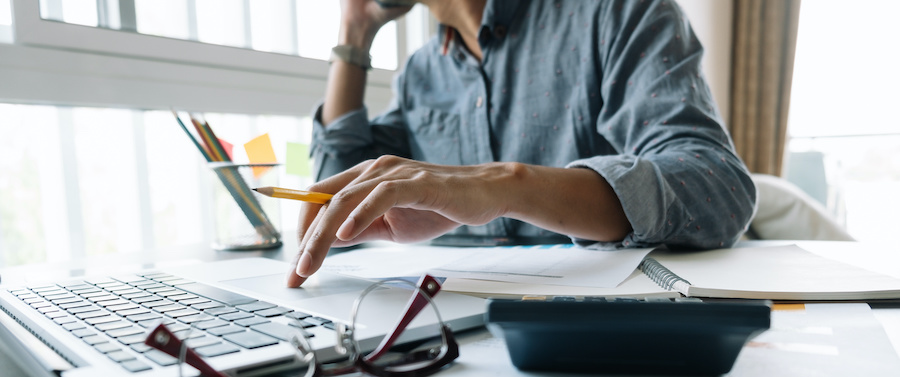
497 13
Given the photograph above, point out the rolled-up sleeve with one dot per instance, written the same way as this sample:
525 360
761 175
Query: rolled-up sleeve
352 138
677 176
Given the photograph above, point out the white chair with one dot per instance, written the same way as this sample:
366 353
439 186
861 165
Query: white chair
785 212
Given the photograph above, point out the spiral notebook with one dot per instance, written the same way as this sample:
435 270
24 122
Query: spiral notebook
775 273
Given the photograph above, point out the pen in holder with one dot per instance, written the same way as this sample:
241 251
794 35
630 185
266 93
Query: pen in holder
241 222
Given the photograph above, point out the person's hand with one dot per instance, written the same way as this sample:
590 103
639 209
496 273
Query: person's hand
361 20
399 200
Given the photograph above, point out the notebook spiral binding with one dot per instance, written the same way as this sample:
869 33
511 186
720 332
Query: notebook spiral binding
660 274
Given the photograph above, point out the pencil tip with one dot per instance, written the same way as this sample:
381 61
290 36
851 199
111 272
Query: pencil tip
255 190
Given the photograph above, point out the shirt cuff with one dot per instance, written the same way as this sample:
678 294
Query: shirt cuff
348 132
642 191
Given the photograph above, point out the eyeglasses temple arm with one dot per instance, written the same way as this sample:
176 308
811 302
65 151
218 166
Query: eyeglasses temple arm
427 284
164 340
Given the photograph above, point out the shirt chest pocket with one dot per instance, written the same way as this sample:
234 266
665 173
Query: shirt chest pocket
435 137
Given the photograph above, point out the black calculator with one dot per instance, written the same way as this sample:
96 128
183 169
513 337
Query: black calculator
681 336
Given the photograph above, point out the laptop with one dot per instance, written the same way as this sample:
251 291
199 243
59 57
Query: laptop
237 314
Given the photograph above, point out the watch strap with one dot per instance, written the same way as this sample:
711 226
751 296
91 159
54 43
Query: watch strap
353 55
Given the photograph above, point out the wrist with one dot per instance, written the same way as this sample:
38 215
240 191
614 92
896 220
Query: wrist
357 36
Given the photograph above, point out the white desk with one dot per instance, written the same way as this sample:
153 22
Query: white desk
481 353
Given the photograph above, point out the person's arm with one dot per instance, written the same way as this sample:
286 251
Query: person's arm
401 200
678 177
360 22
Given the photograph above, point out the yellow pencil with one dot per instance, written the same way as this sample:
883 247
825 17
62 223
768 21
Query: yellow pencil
306 196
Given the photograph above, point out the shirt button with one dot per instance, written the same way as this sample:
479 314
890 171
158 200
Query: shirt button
479 101
500 32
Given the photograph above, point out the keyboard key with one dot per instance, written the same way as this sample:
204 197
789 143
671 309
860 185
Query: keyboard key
47 309
113 302
132 339
94 339
169 308
103 298
182 313
205 325
128 278
193 301
112 325
275 330
131 312
40 303
85 290
251 321
98 320
141 300
160 358
216 350
207 305
64 320
75 304
251 339
273 312
120 356
91 313
152 323
297 315
173 292
135 366
213 293
139 294
107 347
302 324
73 326
144 317
99 293
82 309
140 347
256 306
117 308
225 330
125 331
318 321
202 341
55 314
158 303
67 300
81 333
218 311
183 297
235 316
196 318
160 290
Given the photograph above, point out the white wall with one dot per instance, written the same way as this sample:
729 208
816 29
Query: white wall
712 22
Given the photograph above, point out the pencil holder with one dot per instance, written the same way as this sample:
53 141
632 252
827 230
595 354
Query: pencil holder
240 220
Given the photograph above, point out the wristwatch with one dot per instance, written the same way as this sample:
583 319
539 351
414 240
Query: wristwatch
353 55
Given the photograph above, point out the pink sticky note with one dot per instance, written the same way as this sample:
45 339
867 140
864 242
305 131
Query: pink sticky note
228 148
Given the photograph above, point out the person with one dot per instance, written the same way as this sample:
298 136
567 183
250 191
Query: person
589 119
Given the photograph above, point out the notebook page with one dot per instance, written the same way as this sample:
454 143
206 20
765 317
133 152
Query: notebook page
777 273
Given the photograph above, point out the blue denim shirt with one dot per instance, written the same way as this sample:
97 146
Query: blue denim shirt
612 86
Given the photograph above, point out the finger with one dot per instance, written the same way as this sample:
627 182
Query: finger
383 197
323 234
302 263
308 221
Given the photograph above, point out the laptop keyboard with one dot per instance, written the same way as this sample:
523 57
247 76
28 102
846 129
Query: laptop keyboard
113 315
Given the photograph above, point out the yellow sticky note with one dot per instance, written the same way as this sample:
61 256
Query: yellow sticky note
259 151
297 160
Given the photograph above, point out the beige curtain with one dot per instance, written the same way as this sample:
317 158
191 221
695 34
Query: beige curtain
765 38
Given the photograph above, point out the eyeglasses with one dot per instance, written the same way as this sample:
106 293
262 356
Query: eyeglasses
383 361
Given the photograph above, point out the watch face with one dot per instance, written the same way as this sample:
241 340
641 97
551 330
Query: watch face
396 3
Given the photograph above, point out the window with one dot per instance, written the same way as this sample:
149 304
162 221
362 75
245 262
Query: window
91 160
843 127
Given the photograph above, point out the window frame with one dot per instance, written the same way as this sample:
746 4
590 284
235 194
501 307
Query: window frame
52 62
